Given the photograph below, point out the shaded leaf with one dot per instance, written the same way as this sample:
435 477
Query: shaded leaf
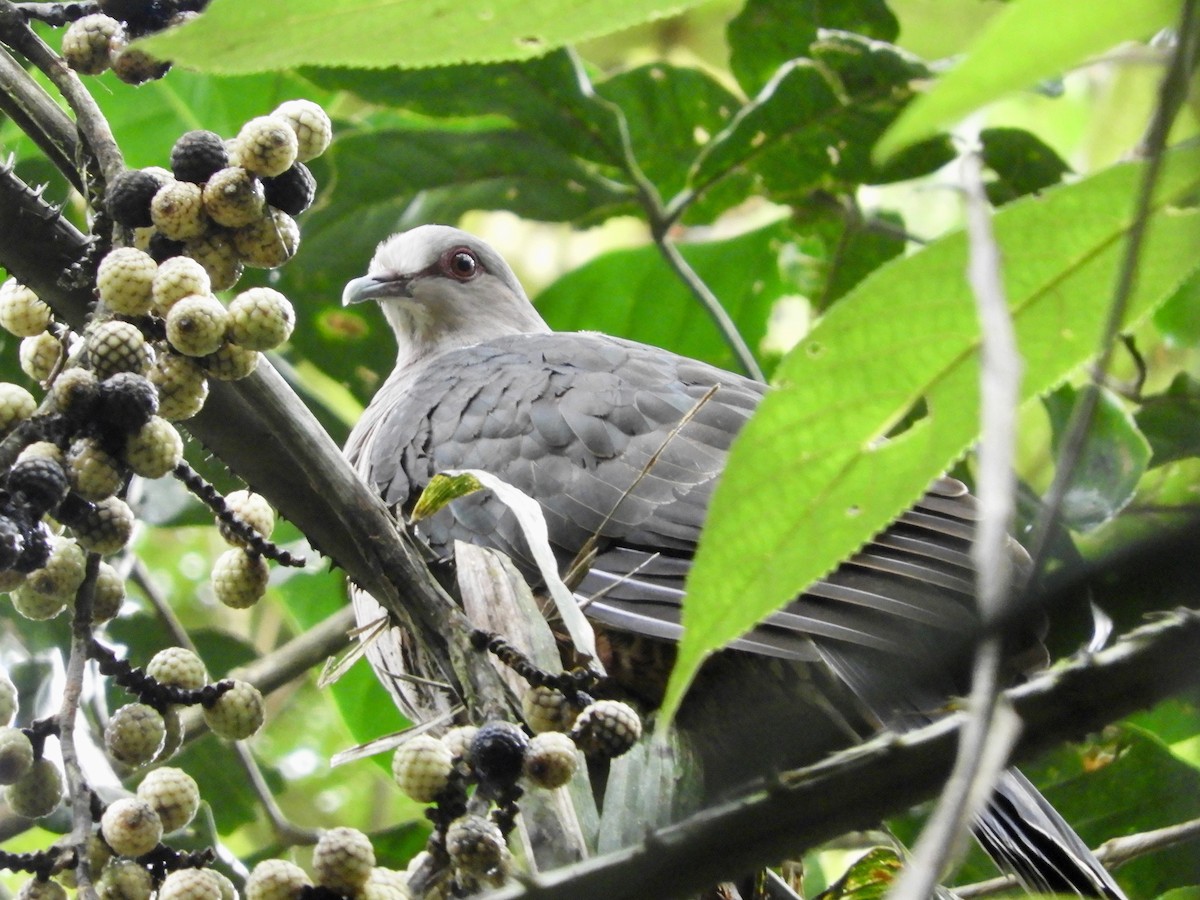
633 294
1113 458
1052 37
768 33
1179 318
550 97
808 480
670 111
1170 421
849 248
228 38
868 878
813 124
1022 162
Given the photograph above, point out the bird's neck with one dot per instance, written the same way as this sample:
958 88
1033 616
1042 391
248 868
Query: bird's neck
422 336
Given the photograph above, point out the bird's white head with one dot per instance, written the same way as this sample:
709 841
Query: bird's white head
441 288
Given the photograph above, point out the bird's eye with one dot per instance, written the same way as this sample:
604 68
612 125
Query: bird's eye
460 264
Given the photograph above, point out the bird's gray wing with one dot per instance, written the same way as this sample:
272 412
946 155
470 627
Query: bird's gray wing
589 426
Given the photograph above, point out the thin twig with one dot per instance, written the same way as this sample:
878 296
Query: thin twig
78 792
1173 93
990 729
660 225
98 138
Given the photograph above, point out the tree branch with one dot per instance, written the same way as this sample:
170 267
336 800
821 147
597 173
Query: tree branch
856 788
269 438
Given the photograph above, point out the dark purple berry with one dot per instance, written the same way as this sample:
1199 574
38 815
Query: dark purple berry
37 547
128 197
41 480
498 752
197 154
293 191
11 543
127 401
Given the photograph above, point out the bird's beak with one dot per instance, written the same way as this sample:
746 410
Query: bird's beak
374 287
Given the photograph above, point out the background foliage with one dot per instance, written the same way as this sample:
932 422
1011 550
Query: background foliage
748 135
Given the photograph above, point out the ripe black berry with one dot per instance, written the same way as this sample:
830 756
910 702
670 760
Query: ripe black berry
11 543
42 480
293 191
498 752
128 197
197 154
127 401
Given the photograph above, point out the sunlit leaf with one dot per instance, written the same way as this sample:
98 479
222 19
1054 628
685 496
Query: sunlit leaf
808 480
1052 37
228 38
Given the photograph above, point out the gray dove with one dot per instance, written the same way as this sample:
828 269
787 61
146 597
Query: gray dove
573 420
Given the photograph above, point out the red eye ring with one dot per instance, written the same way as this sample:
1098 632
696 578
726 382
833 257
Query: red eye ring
460 264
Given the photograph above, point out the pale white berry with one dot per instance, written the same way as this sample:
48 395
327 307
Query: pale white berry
109 594
181 384
135 734
551 759
174 795
190 884
124 281
196 325
154 449
178 211
16 754
240 578
342 860
176 278
178 667
313 129
230 362
236 714
267 145
16 405
269 242
21 312
219 256
40 355
131 827
422 766
276 879
8 699
37 792
251 508
260 319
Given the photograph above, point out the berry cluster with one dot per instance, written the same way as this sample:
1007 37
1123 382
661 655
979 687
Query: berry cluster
226 204
100 41
343 866
499 757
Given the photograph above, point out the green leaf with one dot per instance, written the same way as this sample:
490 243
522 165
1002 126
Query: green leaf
814 123
633 294
1052 36
1022 162
441 490
229 37
1171 420
670 111
1179 318
768 33
809 481
1114 457
870 877
549 97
